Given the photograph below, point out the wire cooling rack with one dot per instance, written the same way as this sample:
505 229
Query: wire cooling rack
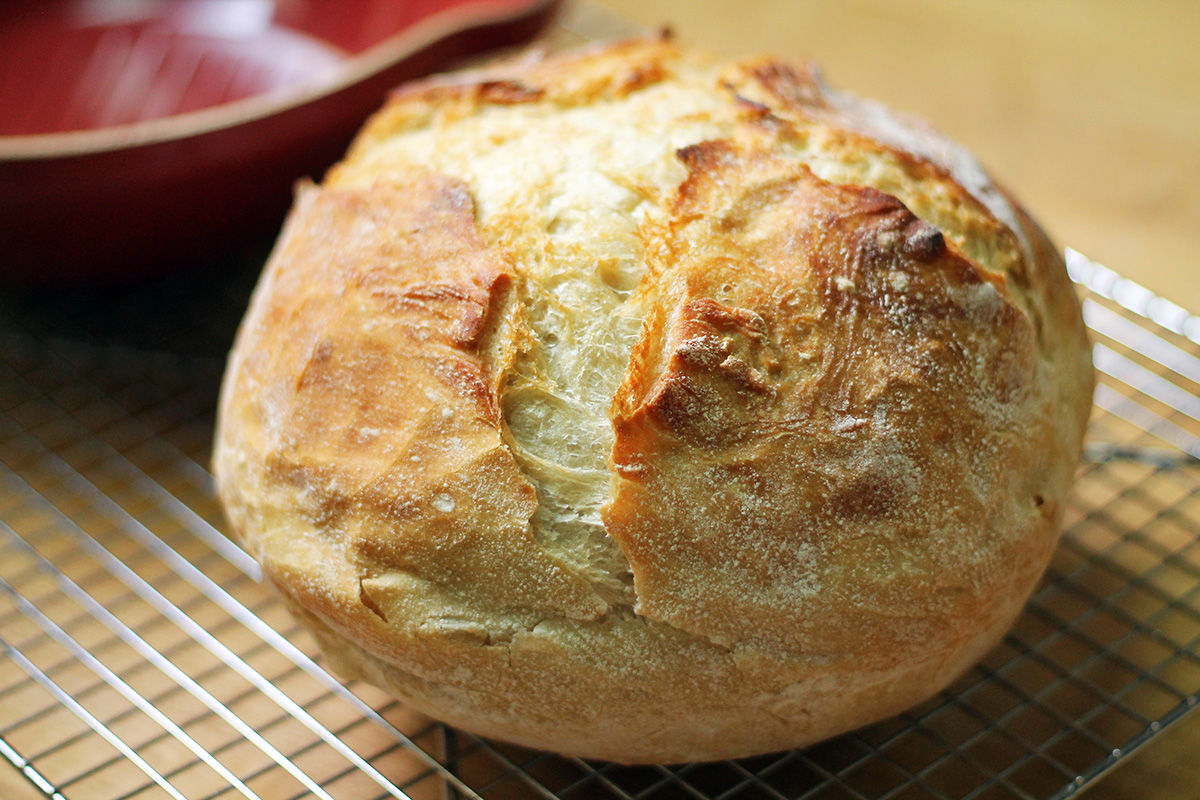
141 658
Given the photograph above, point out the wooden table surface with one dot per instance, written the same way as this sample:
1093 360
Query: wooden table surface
1089 110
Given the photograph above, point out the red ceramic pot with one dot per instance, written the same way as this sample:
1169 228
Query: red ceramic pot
137 136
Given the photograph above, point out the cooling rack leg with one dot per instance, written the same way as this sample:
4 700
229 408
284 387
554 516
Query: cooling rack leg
447 743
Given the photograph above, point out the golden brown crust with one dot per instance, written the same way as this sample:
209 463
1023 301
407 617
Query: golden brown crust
370 403
643 408
816 340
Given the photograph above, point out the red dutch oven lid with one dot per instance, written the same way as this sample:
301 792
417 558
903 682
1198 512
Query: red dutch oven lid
139 135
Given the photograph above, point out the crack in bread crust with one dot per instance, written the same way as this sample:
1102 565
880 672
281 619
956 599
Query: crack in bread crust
798 404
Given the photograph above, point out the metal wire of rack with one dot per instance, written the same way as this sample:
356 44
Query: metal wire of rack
140 657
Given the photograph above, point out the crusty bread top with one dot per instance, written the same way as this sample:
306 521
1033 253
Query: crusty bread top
631 334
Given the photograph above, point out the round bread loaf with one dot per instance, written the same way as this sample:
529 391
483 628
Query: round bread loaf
636 406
